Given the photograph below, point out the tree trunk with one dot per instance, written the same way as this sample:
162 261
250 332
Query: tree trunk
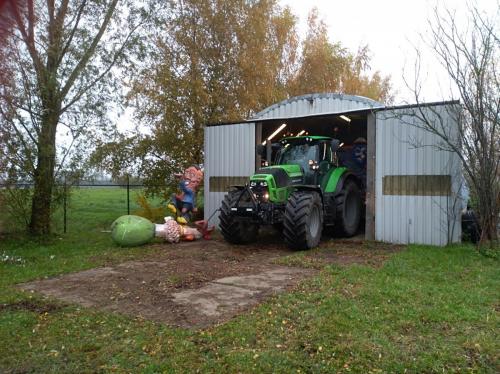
489 225
44 178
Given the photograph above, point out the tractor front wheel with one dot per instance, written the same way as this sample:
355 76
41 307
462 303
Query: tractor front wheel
234 229
303 220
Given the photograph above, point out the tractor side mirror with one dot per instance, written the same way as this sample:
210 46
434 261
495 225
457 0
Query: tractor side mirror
335 144
261 150
324 166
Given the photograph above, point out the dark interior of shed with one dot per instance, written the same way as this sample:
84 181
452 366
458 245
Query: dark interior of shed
346 128
349 129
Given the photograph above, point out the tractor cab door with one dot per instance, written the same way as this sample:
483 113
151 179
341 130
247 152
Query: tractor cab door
325 161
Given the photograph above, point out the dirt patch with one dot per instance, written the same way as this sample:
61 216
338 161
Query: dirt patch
173 285
343 252
30 306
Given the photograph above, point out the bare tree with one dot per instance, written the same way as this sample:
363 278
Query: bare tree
471 60
61 60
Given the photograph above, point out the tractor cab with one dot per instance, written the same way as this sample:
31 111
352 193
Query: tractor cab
315 155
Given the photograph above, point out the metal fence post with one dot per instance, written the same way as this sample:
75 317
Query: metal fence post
128 194
65 192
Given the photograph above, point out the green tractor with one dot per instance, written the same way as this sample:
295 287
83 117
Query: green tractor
304 191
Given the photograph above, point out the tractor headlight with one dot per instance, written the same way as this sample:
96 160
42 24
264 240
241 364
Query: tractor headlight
260 191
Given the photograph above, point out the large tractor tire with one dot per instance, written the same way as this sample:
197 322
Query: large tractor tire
234 229
348 213
470 227
303 220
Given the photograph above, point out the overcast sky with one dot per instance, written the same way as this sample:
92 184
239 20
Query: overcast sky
390 28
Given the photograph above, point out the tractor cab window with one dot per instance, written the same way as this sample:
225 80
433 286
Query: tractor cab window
326 158
325 152
302 155
298 154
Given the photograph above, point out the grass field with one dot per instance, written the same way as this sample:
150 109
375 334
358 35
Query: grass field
426 310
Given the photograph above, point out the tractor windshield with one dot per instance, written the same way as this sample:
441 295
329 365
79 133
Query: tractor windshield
298 154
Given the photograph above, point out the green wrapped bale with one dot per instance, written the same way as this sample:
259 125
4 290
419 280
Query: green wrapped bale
131 231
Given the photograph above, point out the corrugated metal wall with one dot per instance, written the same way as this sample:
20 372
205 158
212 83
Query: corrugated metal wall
317 104
405 150
229 152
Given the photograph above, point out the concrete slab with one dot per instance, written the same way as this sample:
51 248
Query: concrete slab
277 279
215 299
226 295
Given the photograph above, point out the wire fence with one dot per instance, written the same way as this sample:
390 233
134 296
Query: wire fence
97 202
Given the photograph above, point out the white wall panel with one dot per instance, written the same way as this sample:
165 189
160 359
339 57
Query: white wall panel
404 149
229 152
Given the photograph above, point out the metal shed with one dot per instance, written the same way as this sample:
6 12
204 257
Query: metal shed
411 191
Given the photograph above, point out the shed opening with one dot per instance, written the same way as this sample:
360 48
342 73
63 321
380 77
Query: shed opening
349 128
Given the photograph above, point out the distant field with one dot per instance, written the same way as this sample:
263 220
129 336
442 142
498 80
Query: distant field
92 209
97 208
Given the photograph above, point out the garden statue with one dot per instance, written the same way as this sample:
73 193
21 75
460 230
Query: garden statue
131 231
173 231
184 204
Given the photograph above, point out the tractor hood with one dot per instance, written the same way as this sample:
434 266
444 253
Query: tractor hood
280 175
292 170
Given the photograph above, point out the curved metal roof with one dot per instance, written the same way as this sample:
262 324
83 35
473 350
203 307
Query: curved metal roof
317 104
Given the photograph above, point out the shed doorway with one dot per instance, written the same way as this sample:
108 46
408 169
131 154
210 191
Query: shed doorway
357 144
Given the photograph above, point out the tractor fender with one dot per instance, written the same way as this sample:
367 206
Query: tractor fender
309 187
344 178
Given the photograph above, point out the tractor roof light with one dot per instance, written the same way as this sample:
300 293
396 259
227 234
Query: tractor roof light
278 130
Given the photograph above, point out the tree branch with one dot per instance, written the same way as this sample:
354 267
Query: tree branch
89 52
101 76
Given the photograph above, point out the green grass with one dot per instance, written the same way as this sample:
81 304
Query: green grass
426 310
86 244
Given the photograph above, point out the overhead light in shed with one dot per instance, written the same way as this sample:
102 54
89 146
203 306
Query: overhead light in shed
274 133
345 118
301 133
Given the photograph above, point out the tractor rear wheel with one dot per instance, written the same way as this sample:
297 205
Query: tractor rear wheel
348 210
234 229
303 220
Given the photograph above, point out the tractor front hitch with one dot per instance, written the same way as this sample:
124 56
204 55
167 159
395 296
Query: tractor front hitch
245 211
255 210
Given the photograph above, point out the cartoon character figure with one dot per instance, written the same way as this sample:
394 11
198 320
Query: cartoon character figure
174 232
184 204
